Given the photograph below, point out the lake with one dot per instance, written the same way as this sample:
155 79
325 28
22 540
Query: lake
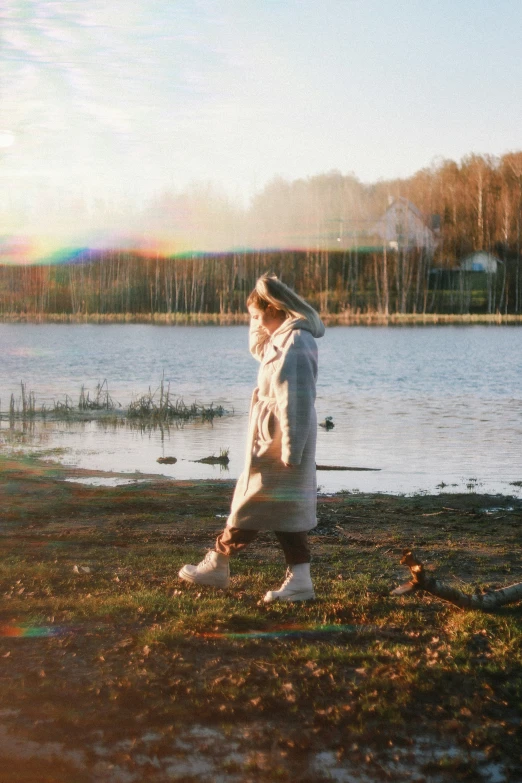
431 407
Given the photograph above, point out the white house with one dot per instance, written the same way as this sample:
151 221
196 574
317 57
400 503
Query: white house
480 261
403 226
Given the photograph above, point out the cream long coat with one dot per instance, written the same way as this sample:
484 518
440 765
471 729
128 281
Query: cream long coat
270 495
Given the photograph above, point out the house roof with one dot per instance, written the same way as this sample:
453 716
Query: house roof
403 222
408 204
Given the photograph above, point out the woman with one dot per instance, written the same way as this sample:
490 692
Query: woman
277 489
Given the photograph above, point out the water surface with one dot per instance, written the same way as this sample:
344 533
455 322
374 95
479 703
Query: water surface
428 406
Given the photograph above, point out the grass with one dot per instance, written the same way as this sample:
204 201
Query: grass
155 408
102 401
159 407
128 652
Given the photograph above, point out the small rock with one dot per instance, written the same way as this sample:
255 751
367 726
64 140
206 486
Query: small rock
167 460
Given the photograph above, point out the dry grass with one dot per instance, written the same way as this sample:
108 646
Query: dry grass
154 408
347 318
132 663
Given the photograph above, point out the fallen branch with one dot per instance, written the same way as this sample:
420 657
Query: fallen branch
486 602
343 467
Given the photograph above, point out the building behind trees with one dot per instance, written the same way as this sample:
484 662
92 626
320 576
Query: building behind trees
446 240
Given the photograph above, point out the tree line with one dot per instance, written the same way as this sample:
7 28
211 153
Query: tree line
317 234
335 282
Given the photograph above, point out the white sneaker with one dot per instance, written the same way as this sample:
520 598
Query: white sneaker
213 571
296 587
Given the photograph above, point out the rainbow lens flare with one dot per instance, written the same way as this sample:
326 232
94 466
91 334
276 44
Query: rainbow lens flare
288 632
28 631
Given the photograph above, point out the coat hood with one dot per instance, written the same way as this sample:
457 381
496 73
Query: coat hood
316 330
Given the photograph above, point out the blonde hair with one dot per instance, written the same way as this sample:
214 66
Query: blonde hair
269 290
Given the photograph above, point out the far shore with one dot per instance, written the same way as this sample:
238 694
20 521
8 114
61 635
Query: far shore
348 318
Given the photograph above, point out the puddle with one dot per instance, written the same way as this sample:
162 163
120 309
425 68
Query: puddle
102 481
410 763
496 509
208 753
20 747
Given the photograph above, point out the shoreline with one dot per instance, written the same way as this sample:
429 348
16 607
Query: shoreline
232 319
40 467
45 464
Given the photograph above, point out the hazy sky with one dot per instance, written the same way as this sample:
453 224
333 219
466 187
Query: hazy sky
136 96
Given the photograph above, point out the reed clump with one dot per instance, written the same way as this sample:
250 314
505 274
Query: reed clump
159 407
153 408
65 407
102 400
24 407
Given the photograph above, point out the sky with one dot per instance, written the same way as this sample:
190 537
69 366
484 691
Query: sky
125 99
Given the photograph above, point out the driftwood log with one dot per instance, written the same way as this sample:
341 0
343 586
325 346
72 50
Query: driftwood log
420 580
